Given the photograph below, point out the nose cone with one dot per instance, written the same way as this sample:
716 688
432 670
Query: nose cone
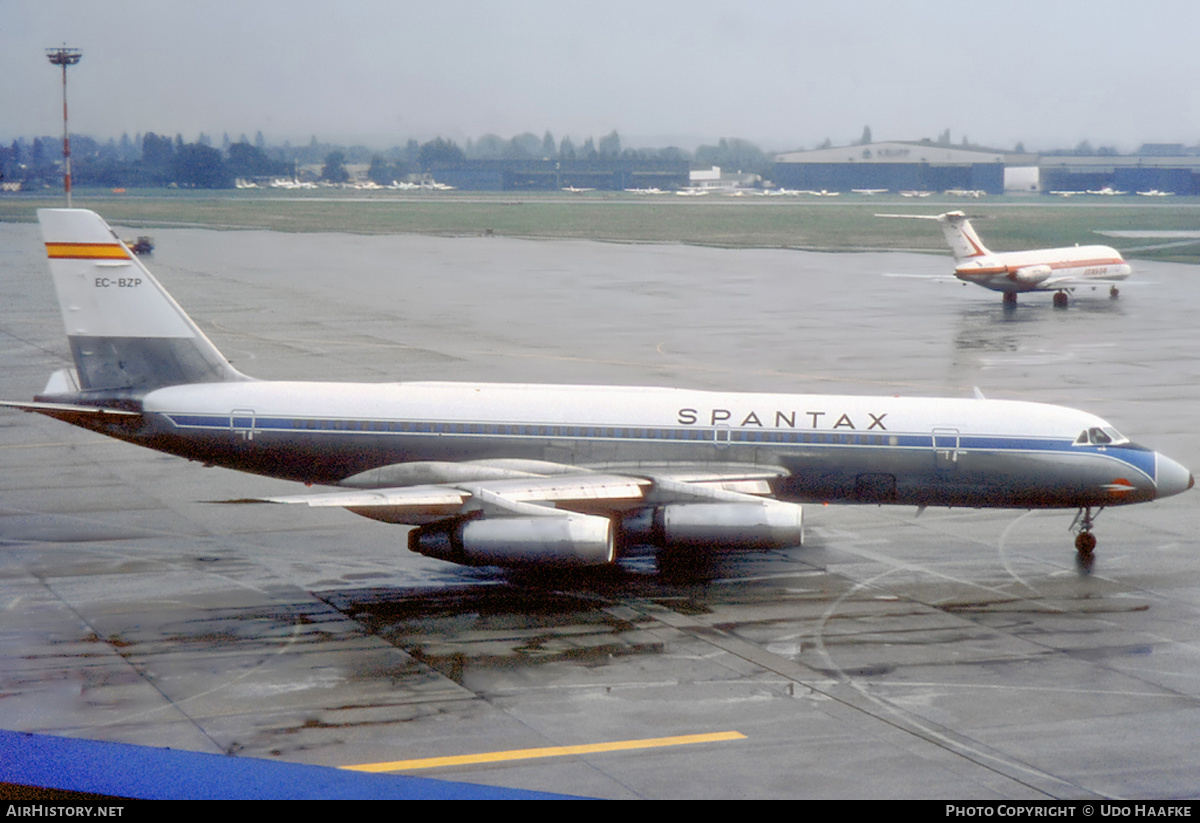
1172 478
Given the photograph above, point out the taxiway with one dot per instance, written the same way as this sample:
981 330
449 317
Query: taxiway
955 654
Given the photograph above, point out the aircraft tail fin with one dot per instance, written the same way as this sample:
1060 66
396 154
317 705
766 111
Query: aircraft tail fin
960 236
959 233
125 330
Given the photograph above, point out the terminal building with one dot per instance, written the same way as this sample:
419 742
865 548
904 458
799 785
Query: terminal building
894 166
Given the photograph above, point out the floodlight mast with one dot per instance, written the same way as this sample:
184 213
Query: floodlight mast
64 57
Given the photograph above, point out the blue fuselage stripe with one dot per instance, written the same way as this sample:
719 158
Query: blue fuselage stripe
1136 457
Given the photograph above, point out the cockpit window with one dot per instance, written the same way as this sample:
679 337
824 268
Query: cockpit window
1100 436
1117 438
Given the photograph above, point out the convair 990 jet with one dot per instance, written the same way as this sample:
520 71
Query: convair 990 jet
1012 272
526 475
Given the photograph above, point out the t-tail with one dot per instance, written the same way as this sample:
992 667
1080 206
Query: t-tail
960 234
127 335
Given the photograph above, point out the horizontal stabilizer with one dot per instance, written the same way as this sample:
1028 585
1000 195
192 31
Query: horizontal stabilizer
912 216
67 408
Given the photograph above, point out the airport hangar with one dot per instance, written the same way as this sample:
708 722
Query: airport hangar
926 166
1165 169
895 166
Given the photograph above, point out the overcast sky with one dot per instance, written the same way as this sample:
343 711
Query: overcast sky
784 74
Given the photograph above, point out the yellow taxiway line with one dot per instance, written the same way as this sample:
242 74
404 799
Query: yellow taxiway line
549 751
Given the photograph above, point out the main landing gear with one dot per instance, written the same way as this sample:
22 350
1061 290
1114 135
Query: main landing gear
1061 299
1085 541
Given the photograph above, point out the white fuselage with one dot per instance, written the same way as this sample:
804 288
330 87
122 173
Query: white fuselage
928 450
1043 269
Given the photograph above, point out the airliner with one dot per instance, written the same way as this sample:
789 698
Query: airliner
521 475
1013 272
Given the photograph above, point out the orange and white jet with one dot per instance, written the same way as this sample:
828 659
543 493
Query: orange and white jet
1059 270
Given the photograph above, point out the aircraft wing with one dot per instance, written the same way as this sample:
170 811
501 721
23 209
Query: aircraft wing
417 501
572 517
416 505
1056 283
576 489
932 278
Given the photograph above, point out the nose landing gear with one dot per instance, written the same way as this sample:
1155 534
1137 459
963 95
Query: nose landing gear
1085 541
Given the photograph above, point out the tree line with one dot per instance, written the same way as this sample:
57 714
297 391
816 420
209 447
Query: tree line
151 160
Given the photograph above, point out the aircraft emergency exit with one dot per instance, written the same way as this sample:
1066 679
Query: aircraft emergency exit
525 474
1055 270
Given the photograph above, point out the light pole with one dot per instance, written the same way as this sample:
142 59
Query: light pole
65 57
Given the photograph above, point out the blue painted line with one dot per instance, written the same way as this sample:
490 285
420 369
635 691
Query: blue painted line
140 772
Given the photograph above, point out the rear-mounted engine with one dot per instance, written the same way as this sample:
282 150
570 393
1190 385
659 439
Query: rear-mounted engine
1032 274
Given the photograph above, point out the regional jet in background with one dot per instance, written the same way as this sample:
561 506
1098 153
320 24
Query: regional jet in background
518 475
1055 270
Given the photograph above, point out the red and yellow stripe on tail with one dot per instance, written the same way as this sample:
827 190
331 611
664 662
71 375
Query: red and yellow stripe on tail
86 251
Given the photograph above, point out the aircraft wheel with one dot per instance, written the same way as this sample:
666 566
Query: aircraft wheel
1085 543
1010 298
1060 299
1114 292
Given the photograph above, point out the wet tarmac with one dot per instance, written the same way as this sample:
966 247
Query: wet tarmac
955 654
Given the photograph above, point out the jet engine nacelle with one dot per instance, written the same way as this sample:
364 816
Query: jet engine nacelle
569 540
1031 275
749 526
